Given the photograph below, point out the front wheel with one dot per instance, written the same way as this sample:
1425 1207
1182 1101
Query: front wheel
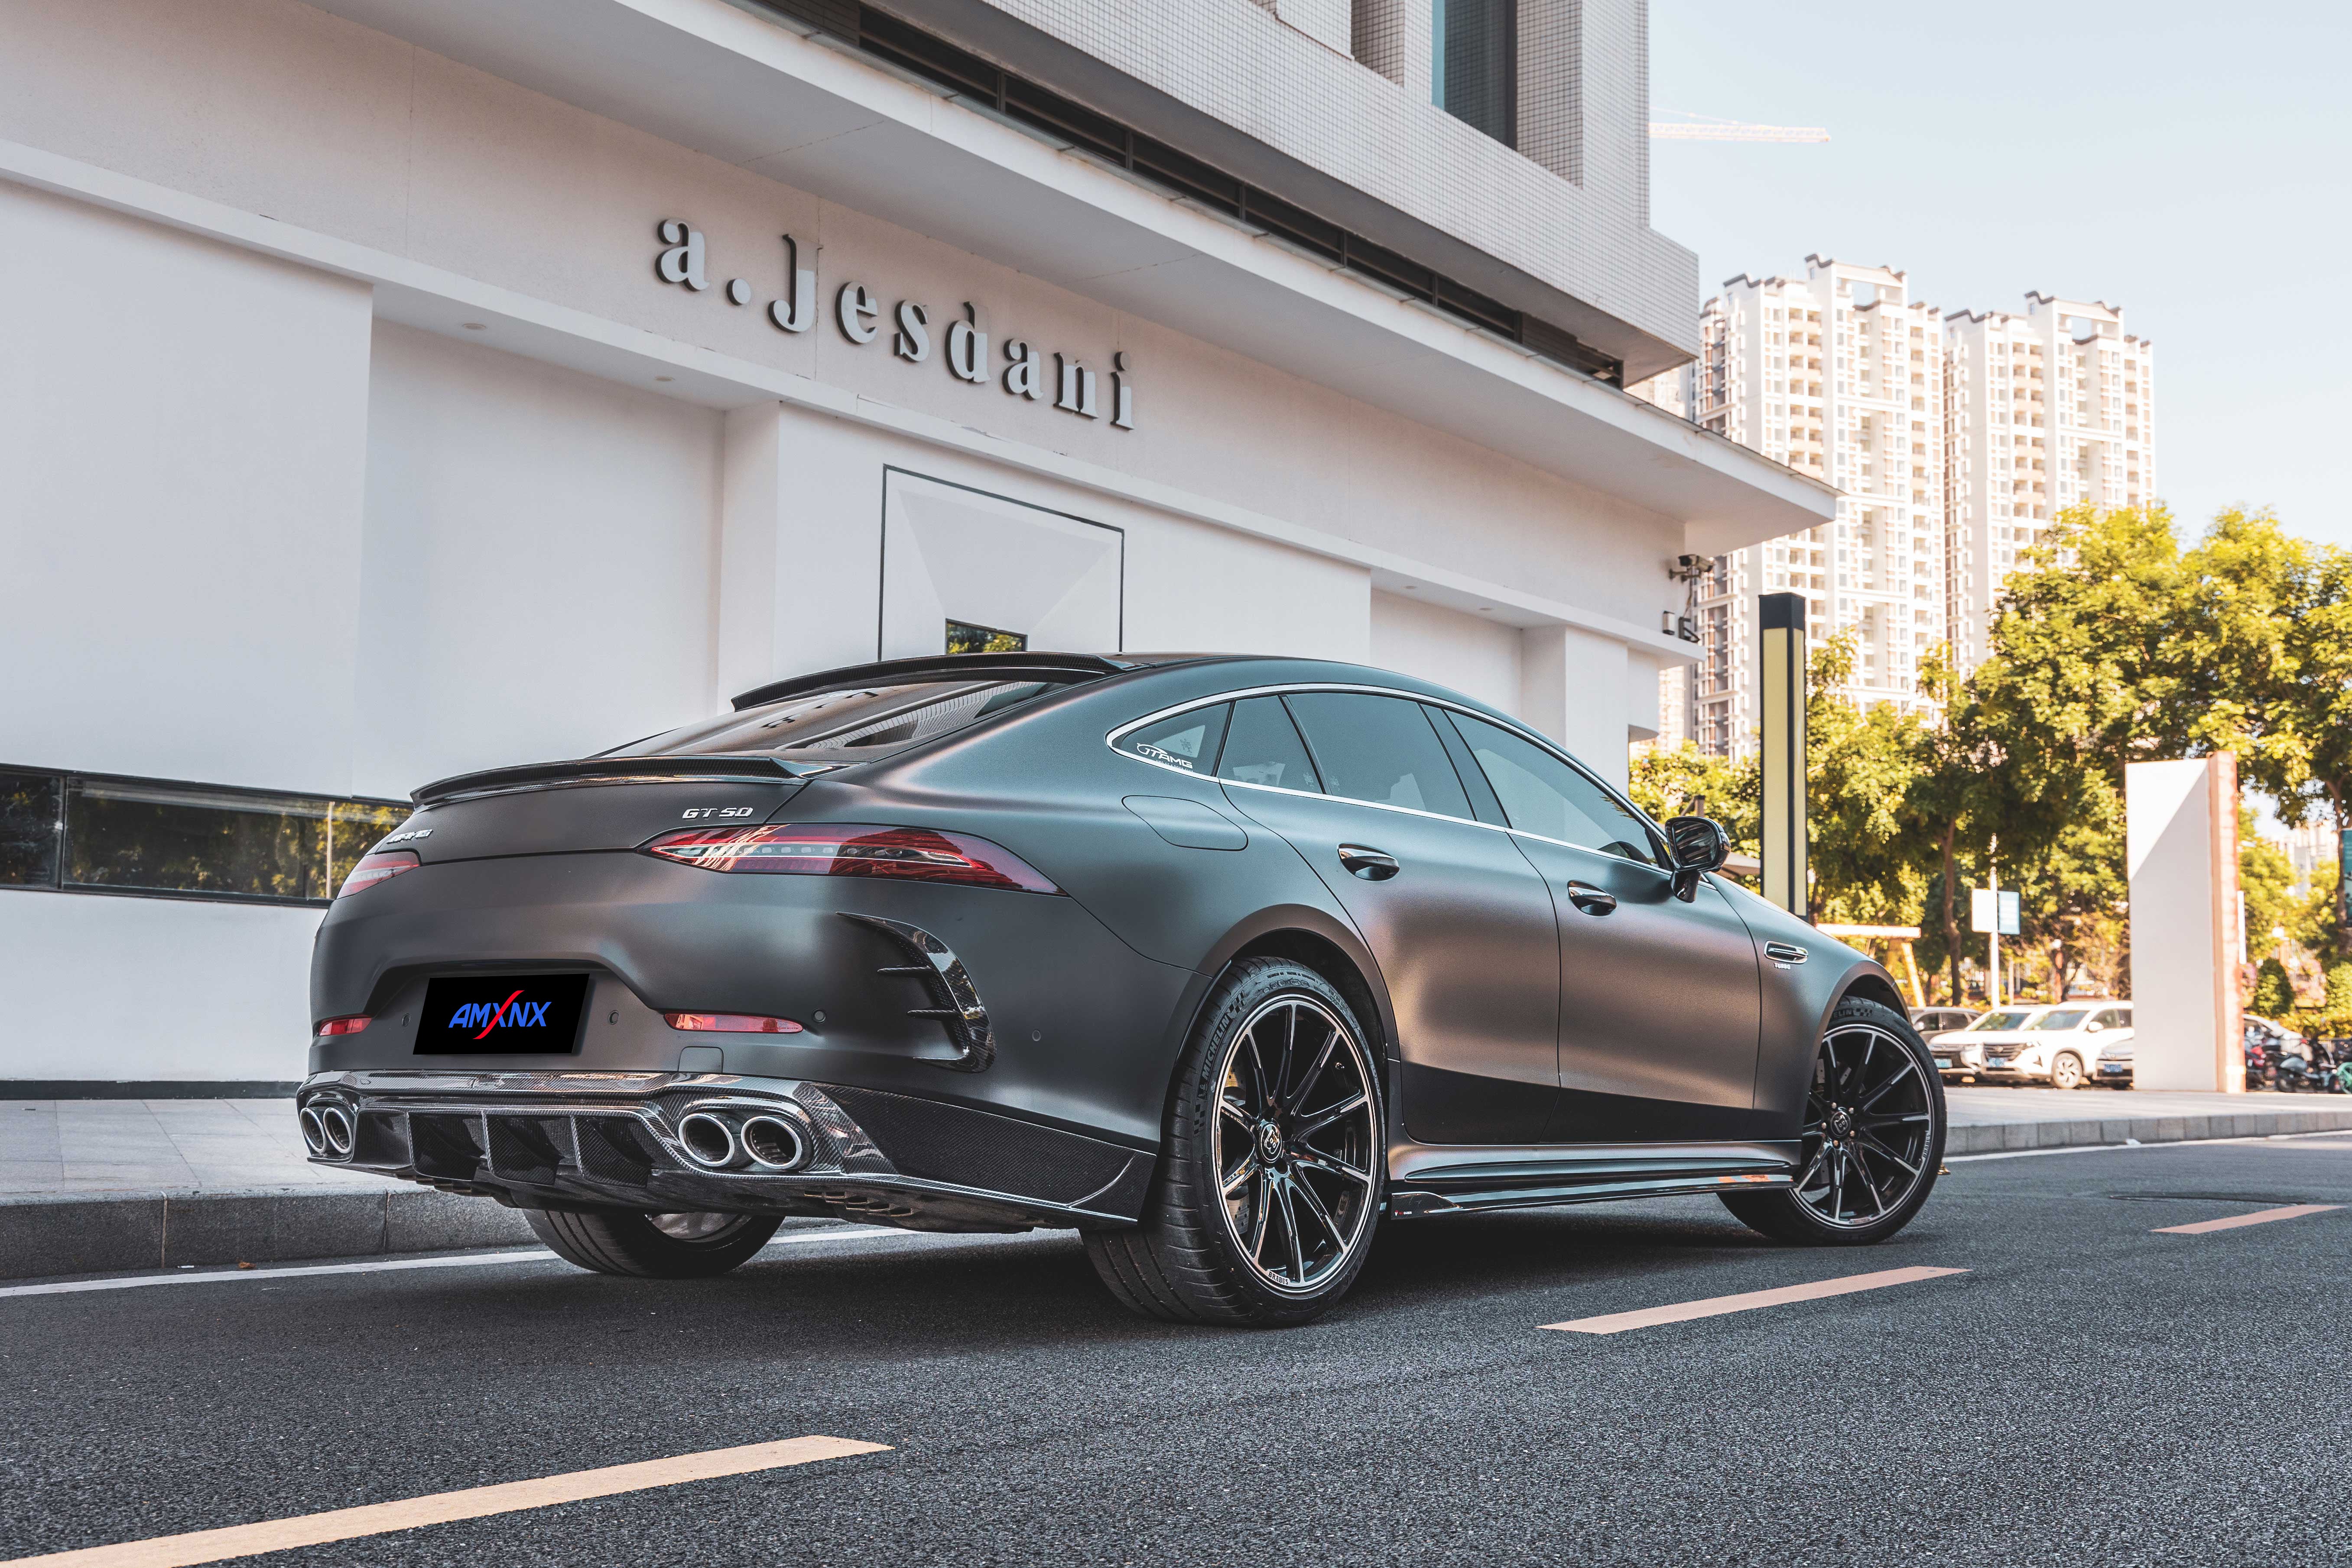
652 1246
1269 1187
2066 1073
1872 1140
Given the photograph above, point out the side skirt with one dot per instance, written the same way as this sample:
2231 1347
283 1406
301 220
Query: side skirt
1429 1180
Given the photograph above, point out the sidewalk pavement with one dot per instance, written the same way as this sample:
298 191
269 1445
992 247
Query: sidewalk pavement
92 1186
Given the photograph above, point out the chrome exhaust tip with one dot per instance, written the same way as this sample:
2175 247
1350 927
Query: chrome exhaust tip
708 1141
314 1130
335 1126
775 1143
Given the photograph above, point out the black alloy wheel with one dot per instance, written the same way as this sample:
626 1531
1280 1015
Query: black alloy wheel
1270 1188
652 1246
1872 1139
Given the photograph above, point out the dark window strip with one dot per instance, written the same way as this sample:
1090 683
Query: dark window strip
145 837
968 73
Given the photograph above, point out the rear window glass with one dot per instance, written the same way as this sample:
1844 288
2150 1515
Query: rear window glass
1189 741
1262 747
847 726
1378 749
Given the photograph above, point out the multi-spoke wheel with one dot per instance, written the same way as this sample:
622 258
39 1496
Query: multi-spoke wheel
1873 1140
1268 1193
653 1246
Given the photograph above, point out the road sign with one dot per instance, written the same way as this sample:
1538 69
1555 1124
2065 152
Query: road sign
1993 911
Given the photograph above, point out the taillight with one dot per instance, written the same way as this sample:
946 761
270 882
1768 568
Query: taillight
732 1023
852 849
377 866
351 1026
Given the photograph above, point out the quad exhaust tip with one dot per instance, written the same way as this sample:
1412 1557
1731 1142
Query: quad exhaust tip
775 1143
329 1131
770 1142
707 1140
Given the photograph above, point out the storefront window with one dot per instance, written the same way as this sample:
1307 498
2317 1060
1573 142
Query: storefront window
965 637
138 835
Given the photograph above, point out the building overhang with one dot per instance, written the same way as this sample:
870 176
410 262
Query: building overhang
838 124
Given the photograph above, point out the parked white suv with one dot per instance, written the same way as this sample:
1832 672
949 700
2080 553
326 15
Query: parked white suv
2060 1045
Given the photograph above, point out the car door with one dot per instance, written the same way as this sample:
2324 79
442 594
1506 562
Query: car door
1459 924
1661 1000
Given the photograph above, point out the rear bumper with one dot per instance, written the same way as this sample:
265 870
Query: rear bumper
610 1140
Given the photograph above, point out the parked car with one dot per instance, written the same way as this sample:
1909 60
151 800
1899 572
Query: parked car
1933 1021
2062 1047
1217 960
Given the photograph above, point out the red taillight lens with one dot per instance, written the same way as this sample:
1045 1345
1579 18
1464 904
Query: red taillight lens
853 849
732 1023
378 866
351 1026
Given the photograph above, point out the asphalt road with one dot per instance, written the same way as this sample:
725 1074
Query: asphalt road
2090 1391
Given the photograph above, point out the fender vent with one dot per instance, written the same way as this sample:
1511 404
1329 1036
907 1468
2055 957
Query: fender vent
954 1001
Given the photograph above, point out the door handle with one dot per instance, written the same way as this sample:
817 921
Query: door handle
1784 952
1592 900
1373 865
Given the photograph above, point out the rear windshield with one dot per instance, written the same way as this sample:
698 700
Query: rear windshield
852 725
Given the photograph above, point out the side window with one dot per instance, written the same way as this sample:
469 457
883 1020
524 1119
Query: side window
1262 747
1380 749
1540 794
2114 1019
1188 741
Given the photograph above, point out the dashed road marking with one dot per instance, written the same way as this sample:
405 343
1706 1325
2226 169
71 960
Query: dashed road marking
2260 1217
441 1508
1715 1306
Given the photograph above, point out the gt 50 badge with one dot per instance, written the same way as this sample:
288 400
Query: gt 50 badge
698 813
404 837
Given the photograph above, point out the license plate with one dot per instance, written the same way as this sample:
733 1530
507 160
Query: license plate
528 1014
1943 1061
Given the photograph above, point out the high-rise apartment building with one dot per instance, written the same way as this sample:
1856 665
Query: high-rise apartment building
1839 374
2043 411
1953 444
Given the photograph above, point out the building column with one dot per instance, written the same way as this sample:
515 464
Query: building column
2181 844
1393 37
1573 687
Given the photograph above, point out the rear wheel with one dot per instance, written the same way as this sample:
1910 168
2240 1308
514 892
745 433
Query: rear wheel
1872 1140
652 1246
1269 1189
2066 1071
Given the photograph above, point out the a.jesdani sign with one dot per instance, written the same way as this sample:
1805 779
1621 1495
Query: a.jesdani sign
684 260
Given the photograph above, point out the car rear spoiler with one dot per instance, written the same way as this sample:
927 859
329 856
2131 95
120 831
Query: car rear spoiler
974 666
709 768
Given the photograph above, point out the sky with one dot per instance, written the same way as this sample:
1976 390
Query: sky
2186 162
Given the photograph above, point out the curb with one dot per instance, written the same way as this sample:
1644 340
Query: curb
102 1233
44 1234
1995 1137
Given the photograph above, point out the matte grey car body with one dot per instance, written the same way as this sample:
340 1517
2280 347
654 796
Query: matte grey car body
1551 1022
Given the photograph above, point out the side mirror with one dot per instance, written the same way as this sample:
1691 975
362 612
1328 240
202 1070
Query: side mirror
1698 845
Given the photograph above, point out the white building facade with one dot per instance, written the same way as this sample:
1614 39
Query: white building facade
398 388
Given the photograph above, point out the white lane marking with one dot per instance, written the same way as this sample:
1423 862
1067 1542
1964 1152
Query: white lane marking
2258 1138
470 1260
441 1508
1715 1306
2260 1217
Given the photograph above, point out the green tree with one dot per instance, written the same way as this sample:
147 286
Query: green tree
1687 782
2266 877
2273 993
1861 769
